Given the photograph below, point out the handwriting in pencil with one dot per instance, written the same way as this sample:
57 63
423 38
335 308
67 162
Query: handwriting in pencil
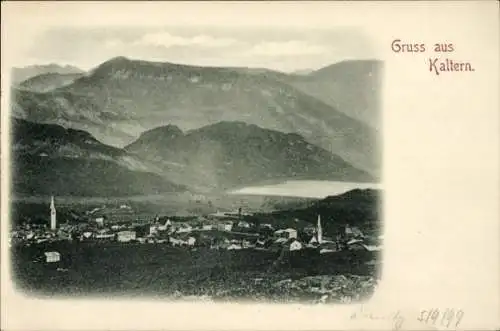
449 318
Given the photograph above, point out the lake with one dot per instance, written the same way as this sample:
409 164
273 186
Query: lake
305 188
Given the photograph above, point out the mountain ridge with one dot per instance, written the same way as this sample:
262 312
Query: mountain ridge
20 74
48 158
228 154
121 98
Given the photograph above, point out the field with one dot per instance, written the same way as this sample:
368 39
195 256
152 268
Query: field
131 270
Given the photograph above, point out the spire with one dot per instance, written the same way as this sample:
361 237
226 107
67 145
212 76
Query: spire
320 230
53 215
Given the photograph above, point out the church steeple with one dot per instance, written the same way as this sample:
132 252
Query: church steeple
53 214
320 231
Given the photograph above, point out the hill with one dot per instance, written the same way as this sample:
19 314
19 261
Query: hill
357 208
19 75
230 154
49 159
122 98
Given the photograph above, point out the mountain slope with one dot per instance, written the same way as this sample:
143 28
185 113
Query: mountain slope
19 75
49 159
121 98
352 87
49 81
230 154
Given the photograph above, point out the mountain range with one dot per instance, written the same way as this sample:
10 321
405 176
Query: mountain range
50 158
334 108
229 154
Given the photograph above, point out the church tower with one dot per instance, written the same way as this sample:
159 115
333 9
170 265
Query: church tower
320 231
53 216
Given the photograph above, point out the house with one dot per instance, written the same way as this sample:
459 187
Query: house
353 232
51 257
99 221
175 242
243 224
182 241
293 245
373 248
286 233
165 226
267 226
207 227
126 236
184 228
104 235
263 243
234 247
86 235
226 226
153 229
190 241
247 243
328 248
313 241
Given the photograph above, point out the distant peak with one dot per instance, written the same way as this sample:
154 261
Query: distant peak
119 59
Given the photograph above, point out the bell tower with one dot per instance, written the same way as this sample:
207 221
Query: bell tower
53 214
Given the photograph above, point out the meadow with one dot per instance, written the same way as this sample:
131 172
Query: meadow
158 270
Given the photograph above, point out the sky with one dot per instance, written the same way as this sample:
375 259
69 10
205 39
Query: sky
278 48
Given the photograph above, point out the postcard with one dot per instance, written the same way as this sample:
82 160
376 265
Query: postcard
250 165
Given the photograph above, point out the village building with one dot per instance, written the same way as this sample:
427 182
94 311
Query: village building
99 221
267 226
234 246
357 245
286 233
224 226
247 243
207 227
293 245
329 247
183 228
353 232
182 240
51 257
244 224
126 236
153 229
104 234
166 226
86 235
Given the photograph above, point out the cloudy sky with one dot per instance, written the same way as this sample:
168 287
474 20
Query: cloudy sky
276 48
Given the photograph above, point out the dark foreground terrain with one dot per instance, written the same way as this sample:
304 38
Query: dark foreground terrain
134 270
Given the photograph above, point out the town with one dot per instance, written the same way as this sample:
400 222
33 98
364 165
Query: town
221 230
221 255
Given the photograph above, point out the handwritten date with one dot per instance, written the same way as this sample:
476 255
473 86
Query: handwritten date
448 318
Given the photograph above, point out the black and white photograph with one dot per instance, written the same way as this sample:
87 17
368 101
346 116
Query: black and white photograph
220 164
230 165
